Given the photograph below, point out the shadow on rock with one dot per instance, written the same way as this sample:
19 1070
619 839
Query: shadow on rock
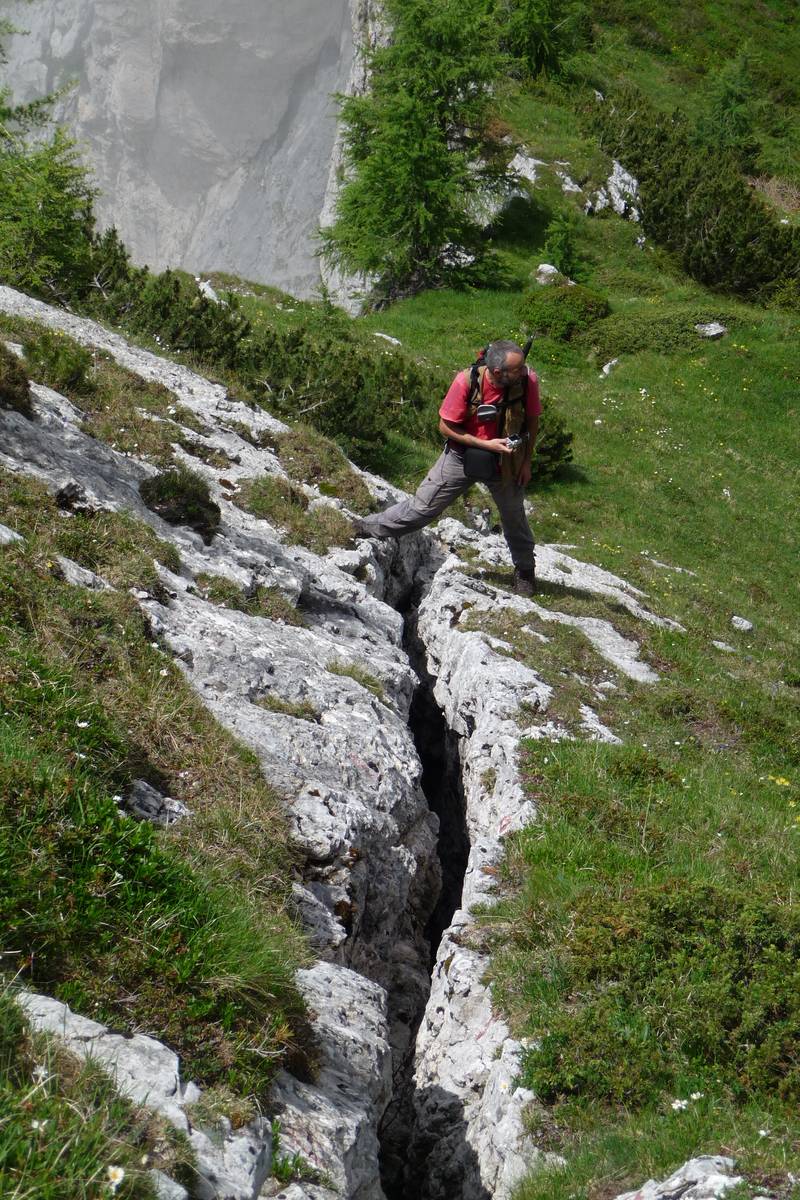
440 1163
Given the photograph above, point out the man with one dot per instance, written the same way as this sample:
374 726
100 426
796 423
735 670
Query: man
466 420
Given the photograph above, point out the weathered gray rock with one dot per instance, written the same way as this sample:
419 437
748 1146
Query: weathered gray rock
704 1178
230 1165
568 184
546 274
146 804
742 624
333 1123
621 193
713 330
345 762
8 536
469 1131
80 577
166 1188
195 172
525 165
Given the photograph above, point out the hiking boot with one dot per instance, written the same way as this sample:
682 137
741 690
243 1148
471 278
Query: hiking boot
360 528
525 581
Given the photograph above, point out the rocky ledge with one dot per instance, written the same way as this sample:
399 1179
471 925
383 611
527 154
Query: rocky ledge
431 1066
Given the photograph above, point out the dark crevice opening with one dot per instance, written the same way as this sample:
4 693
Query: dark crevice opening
437 747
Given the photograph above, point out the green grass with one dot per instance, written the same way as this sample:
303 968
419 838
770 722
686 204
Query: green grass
647 932
311 458
181 933
258 601
66 1132
303 710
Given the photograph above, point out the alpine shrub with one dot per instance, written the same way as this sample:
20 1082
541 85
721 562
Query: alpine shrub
179 315
181 497
561 311
560 246
553 447
695 202
684 980
633 332
60 363
15 389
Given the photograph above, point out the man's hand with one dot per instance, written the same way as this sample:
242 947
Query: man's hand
525 472
498 445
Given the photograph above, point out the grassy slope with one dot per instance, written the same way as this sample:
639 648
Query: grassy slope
688 457
649 927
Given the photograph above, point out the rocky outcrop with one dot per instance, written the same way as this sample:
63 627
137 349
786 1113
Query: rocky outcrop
209 129
348 767
705 1178
351 775
469 1133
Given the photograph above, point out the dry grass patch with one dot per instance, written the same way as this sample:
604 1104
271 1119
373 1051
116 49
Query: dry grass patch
286 507
312 458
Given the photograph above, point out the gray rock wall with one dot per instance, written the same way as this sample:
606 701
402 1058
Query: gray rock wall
209 127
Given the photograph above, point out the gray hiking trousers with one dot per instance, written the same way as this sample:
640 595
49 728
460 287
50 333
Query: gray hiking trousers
443 484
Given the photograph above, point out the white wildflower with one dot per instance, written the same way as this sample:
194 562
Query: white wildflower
115 1178
680 1105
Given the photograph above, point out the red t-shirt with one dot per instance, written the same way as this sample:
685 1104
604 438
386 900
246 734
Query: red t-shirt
456 410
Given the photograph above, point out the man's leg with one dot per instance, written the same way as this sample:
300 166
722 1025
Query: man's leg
443 484
509 498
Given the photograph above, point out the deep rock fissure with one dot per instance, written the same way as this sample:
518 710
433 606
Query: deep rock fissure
437 747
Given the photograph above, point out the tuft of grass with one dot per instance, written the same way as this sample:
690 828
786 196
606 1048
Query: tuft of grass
287 1168
360 675
61 363
182 497
302 709
310 457
286 507
257 599
15 392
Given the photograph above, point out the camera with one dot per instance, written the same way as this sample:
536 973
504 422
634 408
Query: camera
515 441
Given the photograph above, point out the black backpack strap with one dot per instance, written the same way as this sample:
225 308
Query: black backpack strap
474 385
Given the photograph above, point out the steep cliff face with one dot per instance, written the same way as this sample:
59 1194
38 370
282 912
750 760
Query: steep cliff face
209 129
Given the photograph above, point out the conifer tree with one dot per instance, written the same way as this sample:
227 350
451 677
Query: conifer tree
46 219
417 155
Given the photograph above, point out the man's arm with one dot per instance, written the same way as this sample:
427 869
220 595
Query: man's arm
456 433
